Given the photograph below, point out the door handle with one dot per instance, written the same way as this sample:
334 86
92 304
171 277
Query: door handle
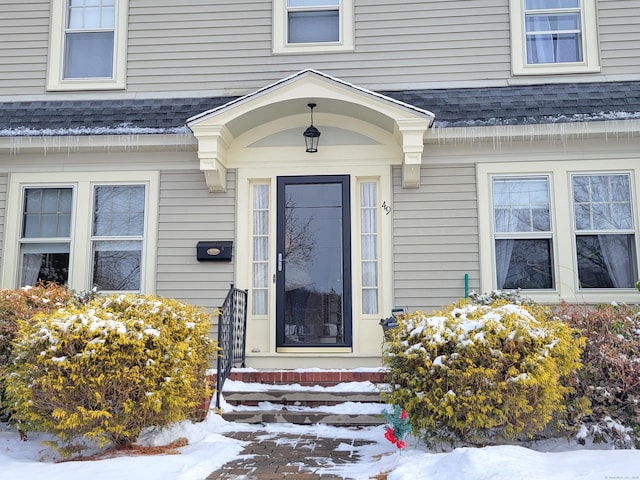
279 262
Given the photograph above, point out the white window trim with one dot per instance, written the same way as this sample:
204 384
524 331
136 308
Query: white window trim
564 249
279 34
55 82
81 223
590 44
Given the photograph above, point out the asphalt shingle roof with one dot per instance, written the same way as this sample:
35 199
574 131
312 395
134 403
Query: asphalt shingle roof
512 105
529 104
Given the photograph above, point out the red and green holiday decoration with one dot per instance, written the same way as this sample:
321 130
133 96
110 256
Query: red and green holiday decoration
398 427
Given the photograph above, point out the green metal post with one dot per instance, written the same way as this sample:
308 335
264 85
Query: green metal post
466 285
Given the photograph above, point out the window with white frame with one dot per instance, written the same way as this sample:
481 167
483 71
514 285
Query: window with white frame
522 233
45 239
369 246
312 25
554 36
87 44
118 234
83 233
260 256
583 219
604 230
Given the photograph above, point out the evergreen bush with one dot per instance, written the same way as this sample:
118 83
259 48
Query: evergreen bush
481 373
23 303
610 377
102 372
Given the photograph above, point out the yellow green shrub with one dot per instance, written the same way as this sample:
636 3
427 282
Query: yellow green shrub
479 374
102 372
23 303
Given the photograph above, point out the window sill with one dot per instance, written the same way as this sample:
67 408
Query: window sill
78 85
554 69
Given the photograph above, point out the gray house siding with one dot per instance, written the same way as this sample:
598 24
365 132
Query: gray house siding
618 22
435 237
188 213
226 48
24 37
4 179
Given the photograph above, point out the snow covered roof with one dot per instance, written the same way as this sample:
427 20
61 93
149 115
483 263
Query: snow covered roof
454 107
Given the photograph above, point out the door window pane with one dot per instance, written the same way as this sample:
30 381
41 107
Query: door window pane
260 233
313 275
369 246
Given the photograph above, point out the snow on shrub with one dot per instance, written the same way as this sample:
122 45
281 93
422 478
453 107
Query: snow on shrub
481 373
23 303
102 372
610 377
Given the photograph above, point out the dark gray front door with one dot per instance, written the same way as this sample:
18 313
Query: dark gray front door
313 279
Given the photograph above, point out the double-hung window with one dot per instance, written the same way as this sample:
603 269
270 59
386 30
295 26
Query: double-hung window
312 25
522 233
561 230
554 36
604 230
87 44
82 230
45 238
118 234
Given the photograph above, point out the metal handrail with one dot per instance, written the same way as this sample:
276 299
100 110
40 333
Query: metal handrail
232 336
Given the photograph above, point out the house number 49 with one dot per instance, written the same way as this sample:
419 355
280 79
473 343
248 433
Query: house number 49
386 208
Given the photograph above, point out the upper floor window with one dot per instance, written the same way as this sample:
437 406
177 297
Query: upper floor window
87 46
88 39
554 36
313 21
312 25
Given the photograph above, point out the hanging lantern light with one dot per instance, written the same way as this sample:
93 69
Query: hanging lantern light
311 134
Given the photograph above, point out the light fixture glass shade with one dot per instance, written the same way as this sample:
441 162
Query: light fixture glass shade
311 138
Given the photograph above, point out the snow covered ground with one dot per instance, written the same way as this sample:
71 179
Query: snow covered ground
208 449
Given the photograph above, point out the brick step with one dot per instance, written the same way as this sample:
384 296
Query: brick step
302 417
305 377
309 398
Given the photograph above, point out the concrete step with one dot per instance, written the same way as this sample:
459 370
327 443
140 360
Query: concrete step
307 398
302 417
298 396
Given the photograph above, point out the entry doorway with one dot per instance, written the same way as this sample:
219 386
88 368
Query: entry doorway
313 271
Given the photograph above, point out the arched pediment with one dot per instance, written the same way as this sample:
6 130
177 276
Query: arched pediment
370 124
